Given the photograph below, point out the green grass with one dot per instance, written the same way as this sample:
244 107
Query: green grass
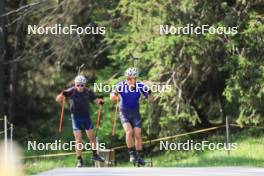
249 153
33 166
36 166
250 144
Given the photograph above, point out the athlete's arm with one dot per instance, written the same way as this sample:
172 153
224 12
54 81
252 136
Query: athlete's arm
114 96
146 91
60 97
64 94
94 98
151 98
149 95
99 101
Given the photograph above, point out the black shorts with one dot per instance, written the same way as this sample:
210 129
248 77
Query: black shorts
80 122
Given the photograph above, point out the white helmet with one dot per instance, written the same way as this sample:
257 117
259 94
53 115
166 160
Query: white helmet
131 72
80 79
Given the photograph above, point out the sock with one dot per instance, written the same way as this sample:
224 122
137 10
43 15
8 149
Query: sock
94 152
140 153
130 150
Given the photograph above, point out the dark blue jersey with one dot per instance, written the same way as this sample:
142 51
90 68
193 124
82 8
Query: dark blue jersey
79 101
130 97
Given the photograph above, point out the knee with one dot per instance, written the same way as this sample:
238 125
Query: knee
138 136
93 138
78 141
129 133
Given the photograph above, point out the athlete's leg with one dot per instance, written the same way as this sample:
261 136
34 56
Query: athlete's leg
138 139
88 125
136 123
129 141
129 134
91 136
78 139
76 126
138 143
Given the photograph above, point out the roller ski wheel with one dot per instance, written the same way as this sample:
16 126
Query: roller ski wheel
97 158
139 162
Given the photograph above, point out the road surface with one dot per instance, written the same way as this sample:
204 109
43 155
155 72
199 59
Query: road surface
147 171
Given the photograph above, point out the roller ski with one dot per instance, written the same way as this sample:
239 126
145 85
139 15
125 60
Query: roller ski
79 163
97 158
137 160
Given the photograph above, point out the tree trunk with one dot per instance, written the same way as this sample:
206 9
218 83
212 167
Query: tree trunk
19 46
202 116
2 58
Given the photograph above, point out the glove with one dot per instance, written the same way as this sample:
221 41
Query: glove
149 91
64 93
101 102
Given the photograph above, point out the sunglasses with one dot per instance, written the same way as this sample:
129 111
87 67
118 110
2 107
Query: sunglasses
80 85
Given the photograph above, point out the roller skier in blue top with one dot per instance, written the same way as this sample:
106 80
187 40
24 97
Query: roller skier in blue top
129 92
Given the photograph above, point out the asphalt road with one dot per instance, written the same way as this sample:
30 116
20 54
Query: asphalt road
147 171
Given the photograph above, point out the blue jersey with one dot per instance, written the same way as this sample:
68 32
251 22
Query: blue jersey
129 99
79 101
